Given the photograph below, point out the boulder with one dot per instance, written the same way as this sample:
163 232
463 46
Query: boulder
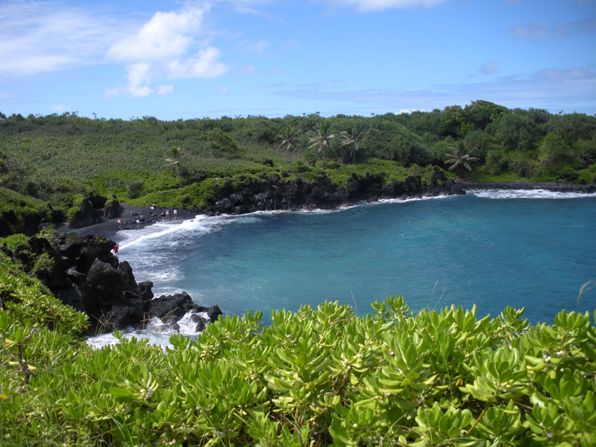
213 312
106 279
85 215
170 308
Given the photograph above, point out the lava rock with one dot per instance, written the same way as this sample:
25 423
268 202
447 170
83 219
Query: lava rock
85 215
113 210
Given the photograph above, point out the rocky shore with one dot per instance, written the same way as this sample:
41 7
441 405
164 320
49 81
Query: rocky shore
84 273
279 194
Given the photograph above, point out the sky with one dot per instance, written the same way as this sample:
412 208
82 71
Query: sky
194 59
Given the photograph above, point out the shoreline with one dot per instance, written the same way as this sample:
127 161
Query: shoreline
549 186
109 228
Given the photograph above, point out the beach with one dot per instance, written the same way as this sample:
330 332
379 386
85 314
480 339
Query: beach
132 218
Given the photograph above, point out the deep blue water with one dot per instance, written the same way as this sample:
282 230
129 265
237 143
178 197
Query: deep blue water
532 253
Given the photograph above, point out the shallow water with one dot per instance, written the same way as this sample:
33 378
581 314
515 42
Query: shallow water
490 248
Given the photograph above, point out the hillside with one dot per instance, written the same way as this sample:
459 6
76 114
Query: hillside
59 158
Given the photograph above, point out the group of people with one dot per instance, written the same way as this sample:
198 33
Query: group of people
138 219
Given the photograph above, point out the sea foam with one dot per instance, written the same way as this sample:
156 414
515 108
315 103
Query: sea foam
501 194
155 332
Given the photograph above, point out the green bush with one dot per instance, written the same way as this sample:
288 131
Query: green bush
15 241
316 377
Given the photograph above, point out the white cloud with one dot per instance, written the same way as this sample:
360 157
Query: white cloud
39 37
166 35
379 5
58 107
164 90
167 46
139 79
204 65
489 68
244 6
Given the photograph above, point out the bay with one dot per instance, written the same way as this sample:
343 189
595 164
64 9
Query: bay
493 249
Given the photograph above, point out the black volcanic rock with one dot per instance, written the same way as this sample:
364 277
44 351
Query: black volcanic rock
86 215
169 308
84 274
113 210
277 192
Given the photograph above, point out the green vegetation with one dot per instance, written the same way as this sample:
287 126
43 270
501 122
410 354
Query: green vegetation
21 213
59 158
316 377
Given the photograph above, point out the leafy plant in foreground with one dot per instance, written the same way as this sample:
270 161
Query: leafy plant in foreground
316 377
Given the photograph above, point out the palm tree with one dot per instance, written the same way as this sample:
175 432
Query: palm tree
321 139
288 139
351 138
457 159
174 161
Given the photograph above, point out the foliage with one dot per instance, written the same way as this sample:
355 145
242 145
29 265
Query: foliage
288 139
23 214
323 376
60 158
174 161
458 160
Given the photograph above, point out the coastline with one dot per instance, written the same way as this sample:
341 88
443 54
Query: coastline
109 227
549 186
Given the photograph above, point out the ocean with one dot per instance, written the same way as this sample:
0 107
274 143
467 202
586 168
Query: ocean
530 249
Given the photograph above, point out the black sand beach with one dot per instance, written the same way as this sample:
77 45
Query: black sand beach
132 218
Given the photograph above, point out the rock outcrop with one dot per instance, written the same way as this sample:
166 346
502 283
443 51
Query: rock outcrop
278 193
86 215
113 209
84 274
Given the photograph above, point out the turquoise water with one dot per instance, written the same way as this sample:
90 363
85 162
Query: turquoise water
489 251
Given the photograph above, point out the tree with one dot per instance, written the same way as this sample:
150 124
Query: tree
458 159
174 160
288 140
322 139
351 138
555 150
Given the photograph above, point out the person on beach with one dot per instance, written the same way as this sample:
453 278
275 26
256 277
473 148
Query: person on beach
167 214
175 213
119 222
116 248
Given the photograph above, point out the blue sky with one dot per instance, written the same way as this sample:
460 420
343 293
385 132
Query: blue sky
186 59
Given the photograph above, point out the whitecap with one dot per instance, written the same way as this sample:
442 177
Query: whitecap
200 224
501 194
156 332
413 199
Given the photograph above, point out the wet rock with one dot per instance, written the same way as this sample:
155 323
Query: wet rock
170 308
